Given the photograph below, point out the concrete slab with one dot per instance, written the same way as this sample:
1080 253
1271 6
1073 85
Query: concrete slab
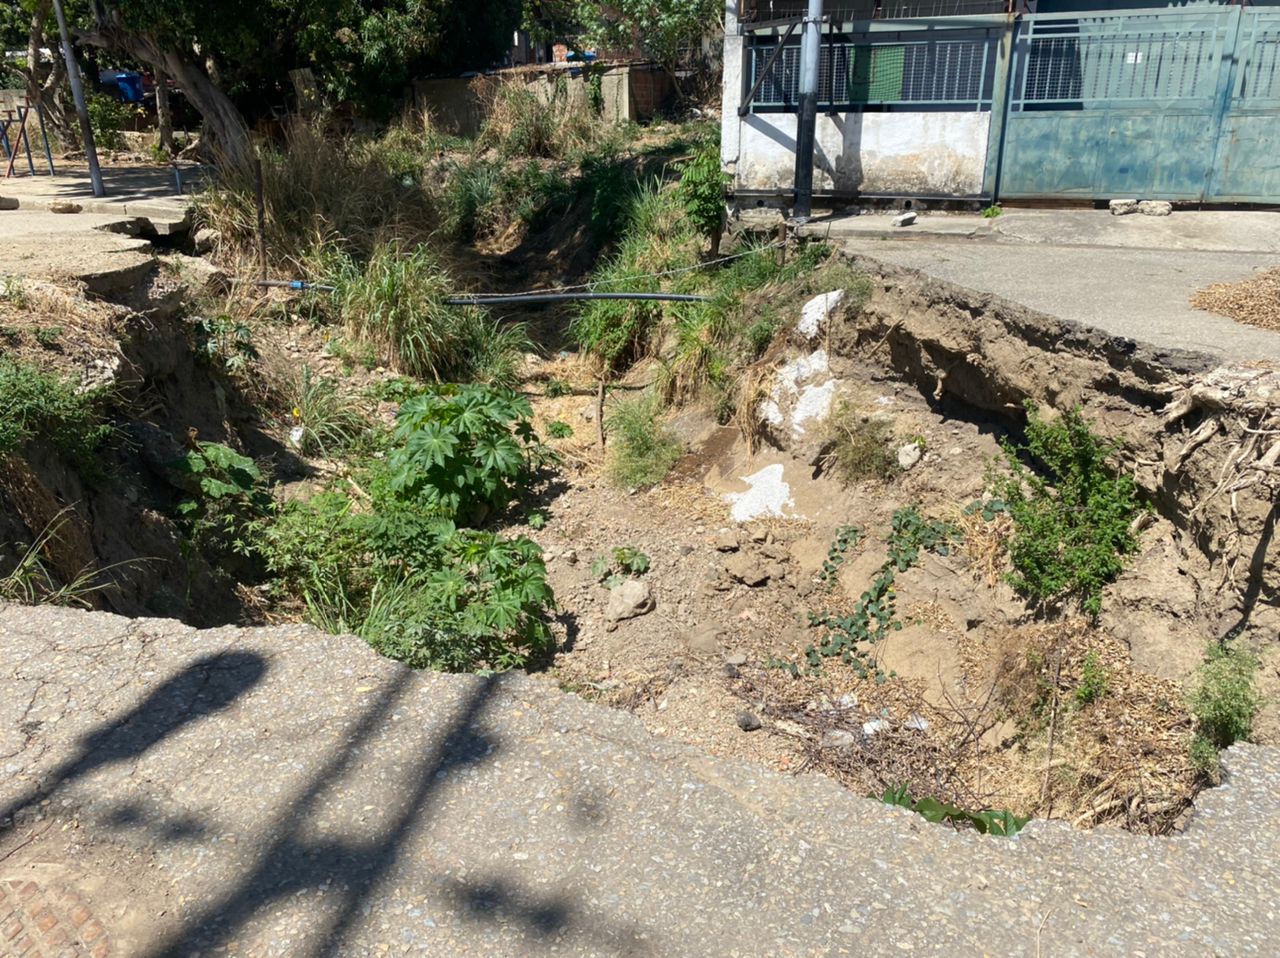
281 792
1129 276
143 193
78 246
1139 294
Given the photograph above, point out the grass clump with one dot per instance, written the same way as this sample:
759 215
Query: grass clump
324 419
861 447
1093 679
1072 525
37 406
318 189
396 302
642 447
522 123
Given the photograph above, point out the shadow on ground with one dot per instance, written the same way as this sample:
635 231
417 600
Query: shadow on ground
349 869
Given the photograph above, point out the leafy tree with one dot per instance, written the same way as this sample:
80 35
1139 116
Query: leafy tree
661 29
30 24
363 50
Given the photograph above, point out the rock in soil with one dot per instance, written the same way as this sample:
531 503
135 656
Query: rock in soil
628 600
705 639
748 721
746 570
838 738
727 541
908 455
736 658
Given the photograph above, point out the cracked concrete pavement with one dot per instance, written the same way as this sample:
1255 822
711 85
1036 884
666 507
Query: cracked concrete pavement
277 791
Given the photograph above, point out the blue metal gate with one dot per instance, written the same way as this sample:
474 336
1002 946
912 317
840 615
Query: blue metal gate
1171 104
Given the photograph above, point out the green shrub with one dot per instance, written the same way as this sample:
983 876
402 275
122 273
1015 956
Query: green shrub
702 186
1071 529
861 447
642 448
470 200
396 302
396 569
38 406
463 451
1224 698
225 343
108 117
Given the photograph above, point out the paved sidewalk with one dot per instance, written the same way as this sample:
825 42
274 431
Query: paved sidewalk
146 193
281 792
1130 276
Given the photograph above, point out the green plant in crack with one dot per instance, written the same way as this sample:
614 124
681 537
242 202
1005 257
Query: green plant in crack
987 822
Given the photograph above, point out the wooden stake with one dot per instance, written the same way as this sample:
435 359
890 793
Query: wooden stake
262 217
600 411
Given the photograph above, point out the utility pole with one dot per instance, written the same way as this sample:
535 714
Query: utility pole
77 94
807 117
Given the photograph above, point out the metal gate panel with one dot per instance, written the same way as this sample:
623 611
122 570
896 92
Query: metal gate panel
1246 168
1104 104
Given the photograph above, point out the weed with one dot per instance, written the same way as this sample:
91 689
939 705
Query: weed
317 189
227 343
49 336
873 615
463 451
987 822
1093 680
1070 539
1224 698
642 447
396 301
30 581
537 520
846 538
228 493
1204 757
324 420
14 291
861 446
991 212
555 388
11 334
37 406
623 562
558 429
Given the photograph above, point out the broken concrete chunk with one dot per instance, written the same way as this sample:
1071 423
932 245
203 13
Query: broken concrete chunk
1123 207
629 599
816 311
1155 207
64 206
908 455
904 219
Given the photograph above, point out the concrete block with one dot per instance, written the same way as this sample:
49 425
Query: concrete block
904 219
1155 207
1123 207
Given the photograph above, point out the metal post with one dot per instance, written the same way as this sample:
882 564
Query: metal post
77 94
807 116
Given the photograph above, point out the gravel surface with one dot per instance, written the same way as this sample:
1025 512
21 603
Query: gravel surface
280 792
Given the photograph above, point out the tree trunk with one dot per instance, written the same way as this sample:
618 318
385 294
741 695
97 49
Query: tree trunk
164 116
45 82
224 136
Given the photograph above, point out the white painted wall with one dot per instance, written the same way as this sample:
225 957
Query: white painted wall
942 154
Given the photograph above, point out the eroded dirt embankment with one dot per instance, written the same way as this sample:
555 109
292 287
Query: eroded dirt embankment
1200 439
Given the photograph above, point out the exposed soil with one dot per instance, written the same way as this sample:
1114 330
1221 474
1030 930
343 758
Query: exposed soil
973 700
